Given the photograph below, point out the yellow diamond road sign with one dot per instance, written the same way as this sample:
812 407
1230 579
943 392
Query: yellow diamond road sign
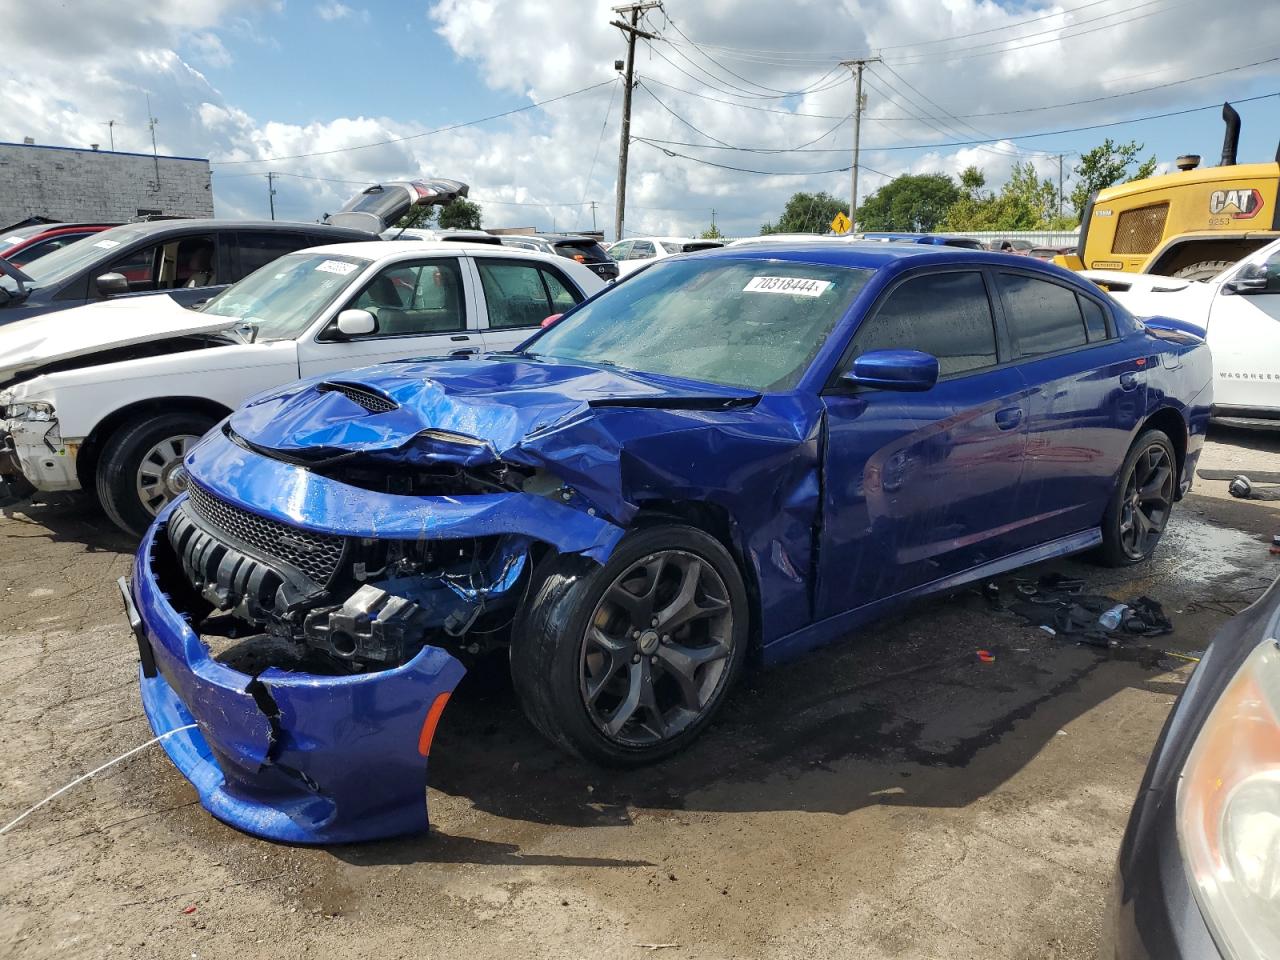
841 223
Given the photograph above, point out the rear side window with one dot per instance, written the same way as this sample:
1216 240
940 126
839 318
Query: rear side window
1095 321
521 294
258 249
1043 317
944 314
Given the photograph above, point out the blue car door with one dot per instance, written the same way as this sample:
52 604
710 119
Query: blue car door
1087 394
918 487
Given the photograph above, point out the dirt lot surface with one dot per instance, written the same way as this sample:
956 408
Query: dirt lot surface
890 796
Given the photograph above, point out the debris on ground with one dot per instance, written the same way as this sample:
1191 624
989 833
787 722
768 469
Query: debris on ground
986 656
1058 606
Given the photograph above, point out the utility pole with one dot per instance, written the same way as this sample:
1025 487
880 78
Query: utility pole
632 30
111 132
271 192
856 66
713 219
1059 185
593 216
151 122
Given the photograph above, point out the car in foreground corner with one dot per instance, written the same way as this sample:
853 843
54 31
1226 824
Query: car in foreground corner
1199 869
109 397
1239 310
742 453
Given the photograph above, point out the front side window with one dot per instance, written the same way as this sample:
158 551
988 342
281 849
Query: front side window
521 294
1272 272
620 251
171 264
642 250
286 296
755 324
1043 317
408 299
947 315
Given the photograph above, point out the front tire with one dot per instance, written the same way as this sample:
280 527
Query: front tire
137 472
1205 270
626 663
1140 506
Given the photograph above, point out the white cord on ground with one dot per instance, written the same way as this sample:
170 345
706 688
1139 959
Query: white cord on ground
57 793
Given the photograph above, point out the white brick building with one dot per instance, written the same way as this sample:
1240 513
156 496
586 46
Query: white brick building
70 184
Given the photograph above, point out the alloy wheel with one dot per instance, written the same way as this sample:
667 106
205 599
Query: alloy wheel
657 648
160 476
1148 499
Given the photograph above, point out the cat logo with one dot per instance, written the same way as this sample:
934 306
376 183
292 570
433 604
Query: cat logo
1240 204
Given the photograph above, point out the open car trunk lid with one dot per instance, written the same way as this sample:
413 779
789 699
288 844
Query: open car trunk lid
382 205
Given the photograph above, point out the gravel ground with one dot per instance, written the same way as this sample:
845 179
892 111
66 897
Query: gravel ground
890 796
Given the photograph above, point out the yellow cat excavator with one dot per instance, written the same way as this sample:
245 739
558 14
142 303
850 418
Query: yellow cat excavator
1191 224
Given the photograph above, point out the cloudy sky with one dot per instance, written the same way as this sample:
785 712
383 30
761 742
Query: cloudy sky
314 89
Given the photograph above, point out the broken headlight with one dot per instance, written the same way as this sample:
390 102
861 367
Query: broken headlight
29 410
1229 810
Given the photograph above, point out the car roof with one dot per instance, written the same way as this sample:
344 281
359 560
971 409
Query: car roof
148 227
566 238
384 249
875 256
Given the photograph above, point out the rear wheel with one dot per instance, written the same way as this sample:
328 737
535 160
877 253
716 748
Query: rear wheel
626 663
138 472
1205 270
1142 501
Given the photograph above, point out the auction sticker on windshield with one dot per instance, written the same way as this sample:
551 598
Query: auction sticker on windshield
336 266
797 286
107 244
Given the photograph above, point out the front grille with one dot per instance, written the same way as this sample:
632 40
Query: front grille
316 555
371 400
1139 231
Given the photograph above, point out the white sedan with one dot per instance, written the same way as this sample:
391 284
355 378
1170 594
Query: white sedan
633 254
1240 310
109 397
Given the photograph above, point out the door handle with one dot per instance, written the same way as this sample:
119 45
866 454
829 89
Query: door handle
1128 381
468 352
460 336
1008 418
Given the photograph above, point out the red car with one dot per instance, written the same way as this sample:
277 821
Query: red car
24 244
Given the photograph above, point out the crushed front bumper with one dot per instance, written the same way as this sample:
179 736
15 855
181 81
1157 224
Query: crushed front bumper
292 757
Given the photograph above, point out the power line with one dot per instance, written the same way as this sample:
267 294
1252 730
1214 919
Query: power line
656 144
950 56
732 93
586 185
659 144
418 136
745 106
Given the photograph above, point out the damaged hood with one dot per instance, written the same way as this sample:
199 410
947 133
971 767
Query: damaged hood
81 331
572 418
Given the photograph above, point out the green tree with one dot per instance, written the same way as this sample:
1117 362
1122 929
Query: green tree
806 213
460 215
915 202
1025 202
1106 165
711 233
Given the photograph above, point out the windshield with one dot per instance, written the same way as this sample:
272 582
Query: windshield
63 264
755 324
283 298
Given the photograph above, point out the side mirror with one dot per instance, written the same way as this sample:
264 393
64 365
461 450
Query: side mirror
908 370
551 320
1252 279
356 323
110 284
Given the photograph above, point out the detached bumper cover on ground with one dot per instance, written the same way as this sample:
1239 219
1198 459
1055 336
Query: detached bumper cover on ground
292 757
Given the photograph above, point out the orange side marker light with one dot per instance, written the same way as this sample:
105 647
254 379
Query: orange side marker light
429 725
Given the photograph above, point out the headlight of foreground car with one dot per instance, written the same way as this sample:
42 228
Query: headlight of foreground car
33 410
1229 811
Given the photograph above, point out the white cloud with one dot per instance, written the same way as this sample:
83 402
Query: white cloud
334 10
537 50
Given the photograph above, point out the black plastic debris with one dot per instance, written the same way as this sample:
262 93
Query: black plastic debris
1059 604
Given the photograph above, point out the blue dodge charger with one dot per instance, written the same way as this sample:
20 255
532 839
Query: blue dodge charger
738 455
